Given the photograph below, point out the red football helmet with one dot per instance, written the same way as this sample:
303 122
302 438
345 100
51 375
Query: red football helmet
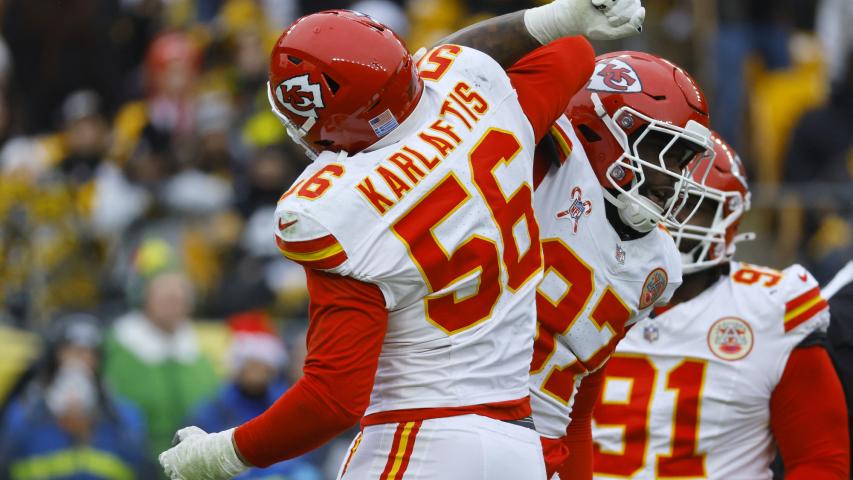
340 81
724 186
630 96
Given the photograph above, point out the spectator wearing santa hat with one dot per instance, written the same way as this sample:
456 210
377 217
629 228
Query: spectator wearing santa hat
257 358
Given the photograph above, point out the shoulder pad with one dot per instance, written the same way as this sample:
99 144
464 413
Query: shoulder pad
801 295
468 62
673 267
304 240
755 275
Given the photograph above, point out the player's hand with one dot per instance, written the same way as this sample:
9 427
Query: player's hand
197 455
624 18
594 19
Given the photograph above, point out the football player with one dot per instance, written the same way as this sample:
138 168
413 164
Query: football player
732 370
415 226
621 151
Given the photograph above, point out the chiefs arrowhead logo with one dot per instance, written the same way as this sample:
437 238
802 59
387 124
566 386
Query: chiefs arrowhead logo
301 97
614 75
653 288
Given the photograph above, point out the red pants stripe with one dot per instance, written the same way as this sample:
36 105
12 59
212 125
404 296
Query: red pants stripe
401 451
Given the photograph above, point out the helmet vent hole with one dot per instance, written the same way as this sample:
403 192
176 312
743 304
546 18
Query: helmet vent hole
588 133
373 24
333 85
294 60
659 97
375 104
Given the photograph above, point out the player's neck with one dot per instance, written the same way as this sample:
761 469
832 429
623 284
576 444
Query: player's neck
408 126
625 232
693 284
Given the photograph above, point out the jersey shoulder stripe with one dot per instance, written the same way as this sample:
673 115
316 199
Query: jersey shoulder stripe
794 291
323 253
558 132
803 307
303 239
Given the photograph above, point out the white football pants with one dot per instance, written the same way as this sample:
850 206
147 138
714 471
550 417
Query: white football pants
466 447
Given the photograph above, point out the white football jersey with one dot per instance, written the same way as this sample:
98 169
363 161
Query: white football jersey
687 394
595 285
442 222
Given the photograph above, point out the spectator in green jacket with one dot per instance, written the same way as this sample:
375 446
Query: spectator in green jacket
153 357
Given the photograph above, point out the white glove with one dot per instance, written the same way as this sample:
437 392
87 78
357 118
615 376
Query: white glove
202 456
594 19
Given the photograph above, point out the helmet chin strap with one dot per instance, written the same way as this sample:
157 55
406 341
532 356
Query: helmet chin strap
631 213
635 216
618 134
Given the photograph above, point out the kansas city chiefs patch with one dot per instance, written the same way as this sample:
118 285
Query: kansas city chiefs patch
614 75
730 338
653 287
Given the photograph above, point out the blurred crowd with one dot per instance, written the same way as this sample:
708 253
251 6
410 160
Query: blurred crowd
141 289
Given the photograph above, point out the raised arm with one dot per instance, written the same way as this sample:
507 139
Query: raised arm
509 37
503 38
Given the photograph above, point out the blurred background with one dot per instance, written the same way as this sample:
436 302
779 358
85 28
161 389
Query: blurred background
140 287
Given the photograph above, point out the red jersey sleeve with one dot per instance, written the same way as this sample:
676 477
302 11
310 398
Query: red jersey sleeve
578 437
347 326
808 417
548 77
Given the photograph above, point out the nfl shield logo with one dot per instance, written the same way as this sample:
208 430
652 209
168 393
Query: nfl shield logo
578 209
620 255
651 332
